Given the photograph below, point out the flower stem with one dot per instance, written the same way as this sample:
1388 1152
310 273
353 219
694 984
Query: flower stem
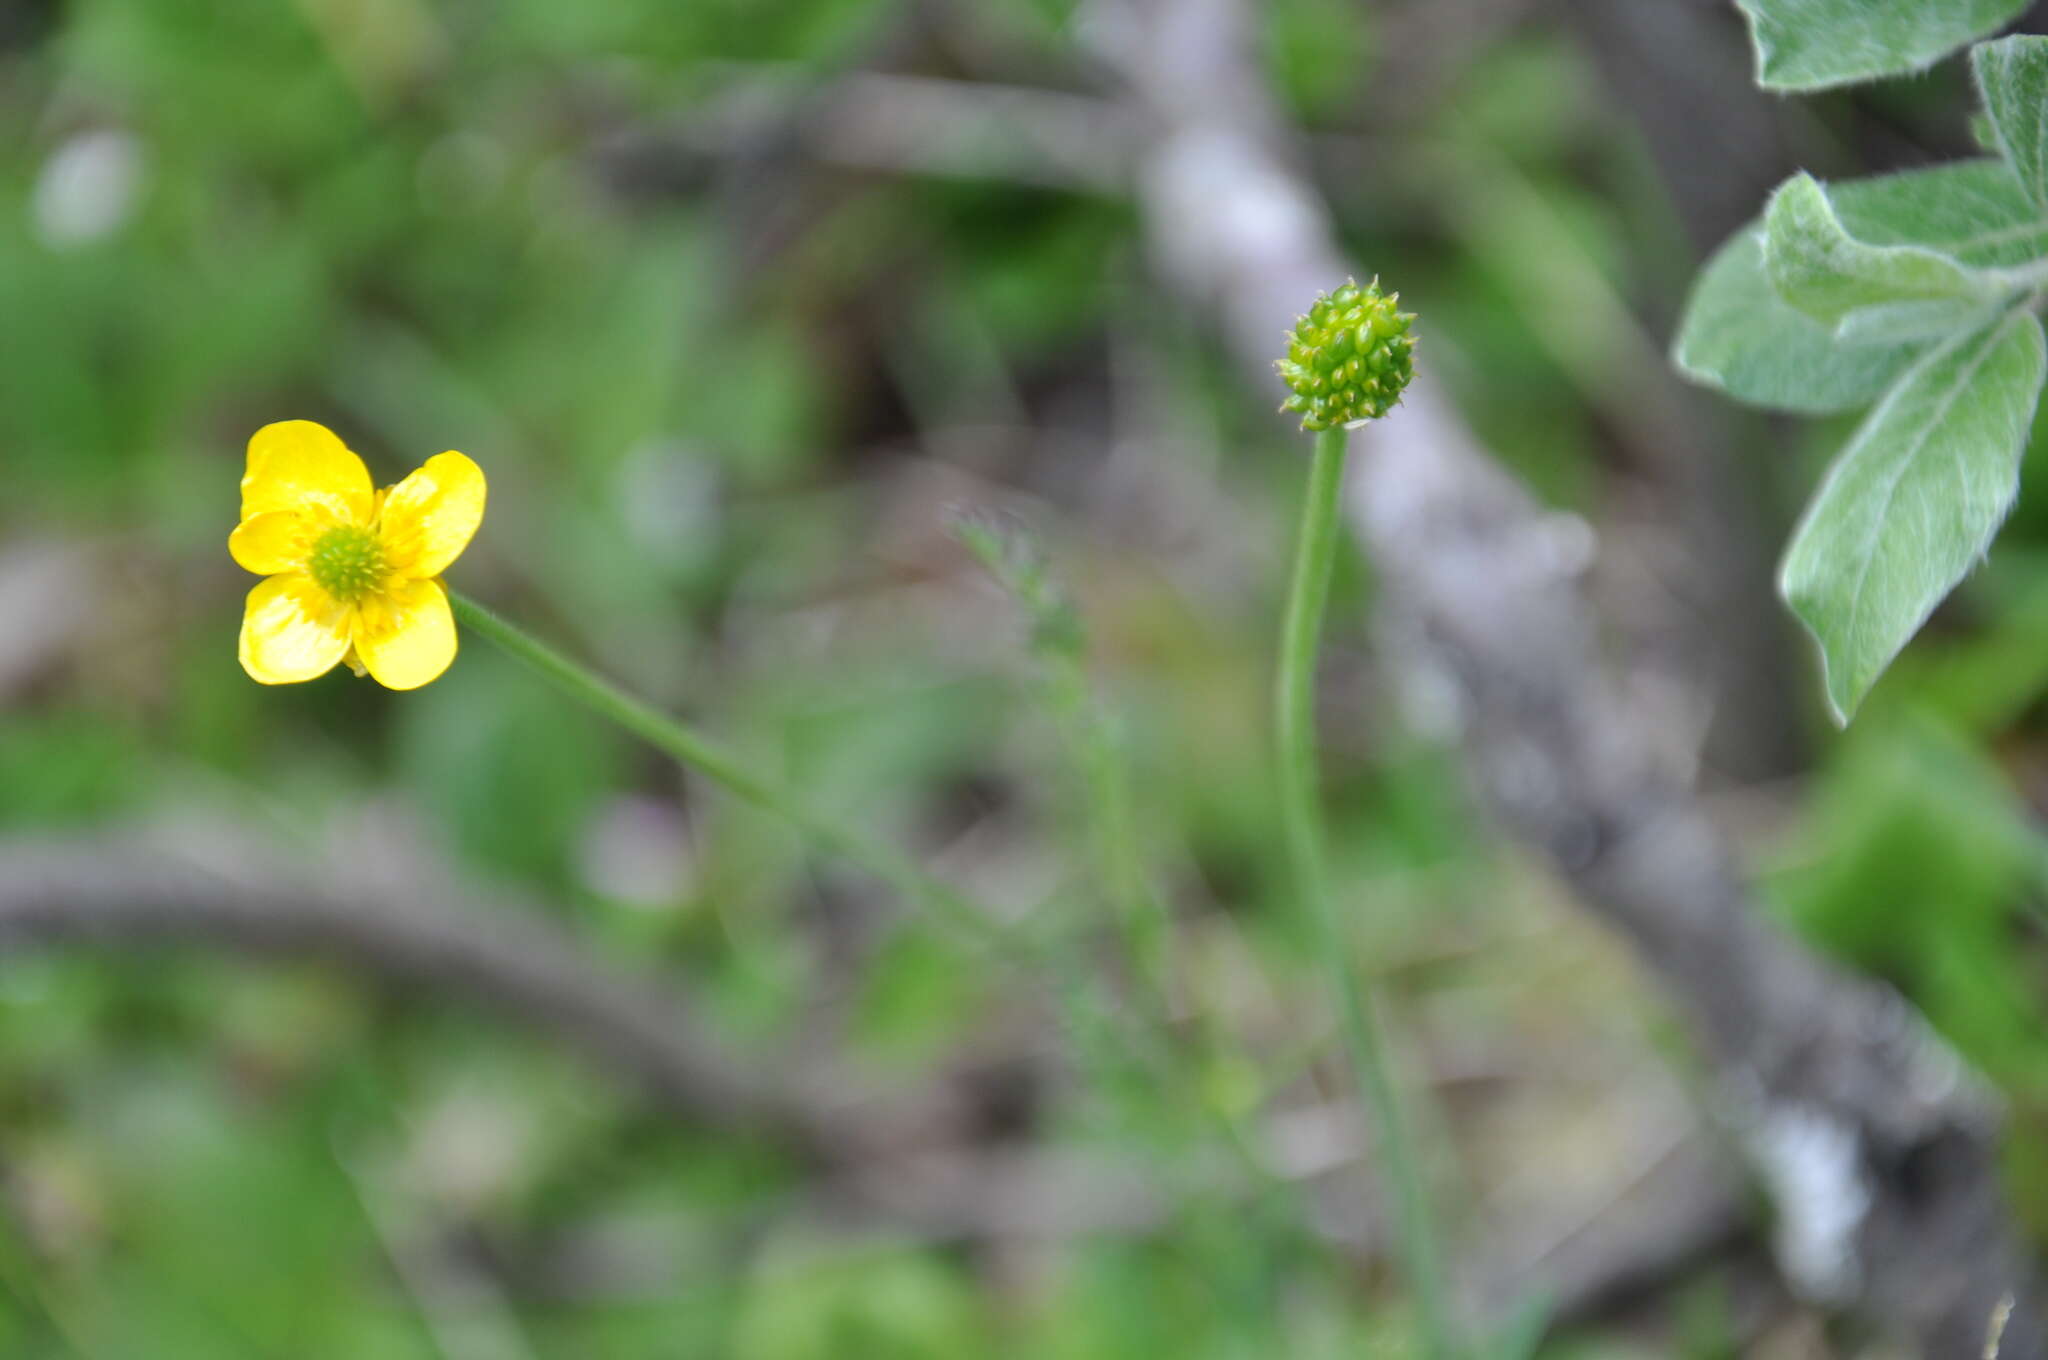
706 756
1099 1029
1094 749
1315 554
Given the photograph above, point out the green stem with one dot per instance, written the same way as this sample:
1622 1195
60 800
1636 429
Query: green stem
1098 760
1142 916
1099 1029
1315 554
1095 1024
702 754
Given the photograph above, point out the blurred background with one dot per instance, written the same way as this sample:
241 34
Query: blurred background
741 304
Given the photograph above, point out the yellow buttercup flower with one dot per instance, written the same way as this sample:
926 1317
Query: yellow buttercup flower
352 573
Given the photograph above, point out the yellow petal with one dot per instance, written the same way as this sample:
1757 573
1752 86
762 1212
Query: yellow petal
406 635
274 541
292 630
428 518
297 465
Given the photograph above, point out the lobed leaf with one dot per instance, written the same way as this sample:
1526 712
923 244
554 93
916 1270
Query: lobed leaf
1819 268
1812 44
1913 501
2012 80
1740 336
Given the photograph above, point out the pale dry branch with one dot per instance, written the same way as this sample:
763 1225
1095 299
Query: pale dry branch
1878 1147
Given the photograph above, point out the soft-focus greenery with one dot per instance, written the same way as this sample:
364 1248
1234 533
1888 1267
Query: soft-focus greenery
727 410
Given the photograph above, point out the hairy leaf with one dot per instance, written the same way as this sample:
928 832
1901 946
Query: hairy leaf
2012 79
1740 336
1973 211
1812 44
1983 134
1819 268
1914 323
1913 502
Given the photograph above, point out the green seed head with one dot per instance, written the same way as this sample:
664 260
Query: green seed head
1349 359
347 562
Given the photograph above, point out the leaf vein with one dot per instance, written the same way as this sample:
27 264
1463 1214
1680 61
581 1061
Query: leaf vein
1904 464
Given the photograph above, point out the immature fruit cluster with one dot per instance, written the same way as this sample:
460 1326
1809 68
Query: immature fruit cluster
1349 358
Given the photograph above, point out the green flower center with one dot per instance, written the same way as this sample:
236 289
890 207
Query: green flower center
347 562
1349 358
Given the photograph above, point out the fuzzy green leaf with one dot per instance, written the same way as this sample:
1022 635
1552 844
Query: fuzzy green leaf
1740 336
1913 502
1982 133
1974 211
1812 44
1915 323
1819 268
2012 80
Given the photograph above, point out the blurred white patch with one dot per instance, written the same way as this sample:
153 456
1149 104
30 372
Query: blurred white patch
636 851
1562 546
87 188
471 1147
668 498
1223 179
1810 1162
46 587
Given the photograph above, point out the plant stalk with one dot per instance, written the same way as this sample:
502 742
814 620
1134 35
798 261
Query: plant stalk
1301 815
706 756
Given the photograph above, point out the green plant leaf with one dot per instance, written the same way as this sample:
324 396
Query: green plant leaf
1740 336
2012 80
1974 211
1819 268
1913 501
1897 323
1982 133
1812 44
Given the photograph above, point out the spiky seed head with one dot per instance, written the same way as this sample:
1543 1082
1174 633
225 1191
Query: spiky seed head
1349 359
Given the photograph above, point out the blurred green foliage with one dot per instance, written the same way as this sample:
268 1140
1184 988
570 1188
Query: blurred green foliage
719 447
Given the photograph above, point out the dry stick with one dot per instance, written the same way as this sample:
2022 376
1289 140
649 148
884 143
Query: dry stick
115 893
1879 1146
108 892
